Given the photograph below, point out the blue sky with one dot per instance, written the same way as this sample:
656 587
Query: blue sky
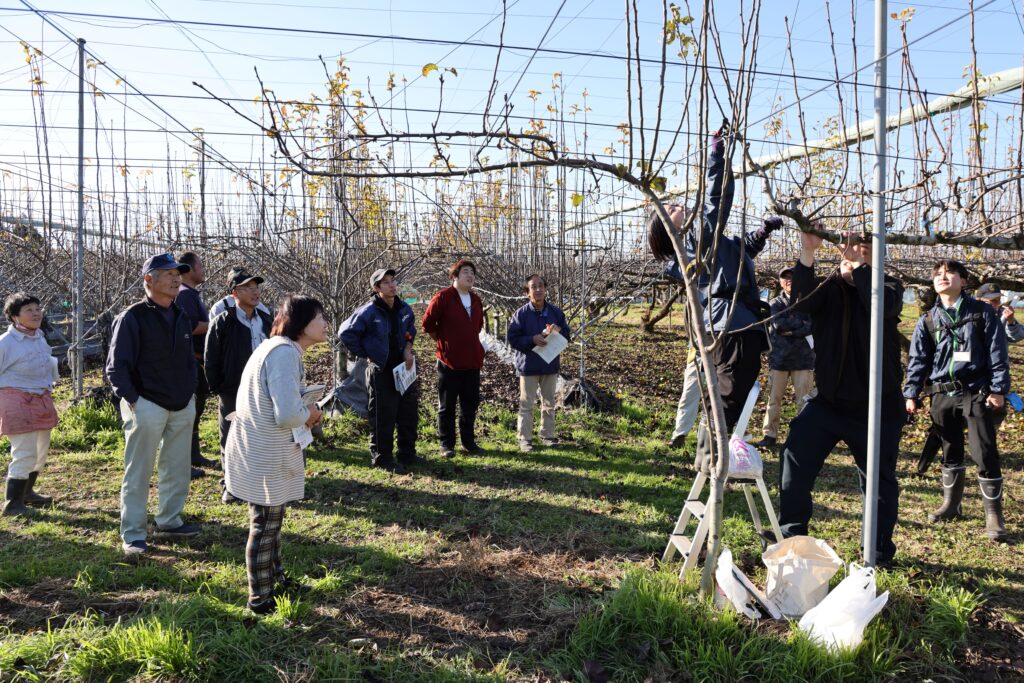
162 59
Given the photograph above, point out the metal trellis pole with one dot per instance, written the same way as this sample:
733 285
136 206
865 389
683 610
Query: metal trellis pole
877 293
583 312
79 303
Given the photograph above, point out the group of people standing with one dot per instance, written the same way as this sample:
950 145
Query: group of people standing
165 356
168 353
383 331
818 332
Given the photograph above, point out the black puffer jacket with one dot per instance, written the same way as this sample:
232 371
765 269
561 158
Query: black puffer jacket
228 347
789 331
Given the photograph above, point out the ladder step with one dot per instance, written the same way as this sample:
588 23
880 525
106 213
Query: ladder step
696 508
682 543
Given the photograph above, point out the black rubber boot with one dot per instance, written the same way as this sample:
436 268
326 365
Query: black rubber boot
14 505
33 498
992 497
953 479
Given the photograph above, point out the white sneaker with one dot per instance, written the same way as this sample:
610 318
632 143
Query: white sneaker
525 446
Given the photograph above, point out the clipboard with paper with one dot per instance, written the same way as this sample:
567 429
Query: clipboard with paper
556 343
404 376
310 394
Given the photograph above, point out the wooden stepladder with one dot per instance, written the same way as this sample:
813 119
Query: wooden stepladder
695 507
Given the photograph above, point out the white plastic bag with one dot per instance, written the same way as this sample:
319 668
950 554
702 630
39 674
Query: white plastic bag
730 589
744 460
839 620
799 569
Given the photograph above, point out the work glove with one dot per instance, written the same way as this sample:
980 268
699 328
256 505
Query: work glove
772 223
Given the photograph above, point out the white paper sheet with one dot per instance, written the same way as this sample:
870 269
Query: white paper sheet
556 343
404 377
310 394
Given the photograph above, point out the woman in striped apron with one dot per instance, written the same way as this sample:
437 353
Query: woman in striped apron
263 460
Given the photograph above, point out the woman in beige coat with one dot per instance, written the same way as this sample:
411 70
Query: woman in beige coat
263 461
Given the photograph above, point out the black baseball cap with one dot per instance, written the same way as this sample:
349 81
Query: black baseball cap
239 276
164 261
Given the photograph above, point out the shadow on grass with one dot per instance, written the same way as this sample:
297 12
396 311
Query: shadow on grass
199 638
536 524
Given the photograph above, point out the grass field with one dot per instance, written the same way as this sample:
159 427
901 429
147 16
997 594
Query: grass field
503 567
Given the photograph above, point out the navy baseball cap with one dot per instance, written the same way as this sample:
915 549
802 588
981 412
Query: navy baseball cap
164 261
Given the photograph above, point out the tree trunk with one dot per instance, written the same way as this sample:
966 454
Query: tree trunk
718 460
650 319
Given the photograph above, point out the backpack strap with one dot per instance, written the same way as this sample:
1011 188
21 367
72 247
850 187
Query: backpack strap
929 324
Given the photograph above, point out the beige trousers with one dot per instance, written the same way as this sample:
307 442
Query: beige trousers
803 380
28 453
528 386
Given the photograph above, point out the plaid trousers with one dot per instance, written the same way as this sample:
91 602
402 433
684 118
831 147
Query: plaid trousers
263 550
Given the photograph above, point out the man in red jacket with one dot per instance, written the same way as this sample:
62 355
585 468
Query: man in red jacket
453 320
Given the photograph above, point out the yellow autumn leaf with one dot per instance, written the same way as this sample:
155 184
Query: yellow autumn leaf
427 68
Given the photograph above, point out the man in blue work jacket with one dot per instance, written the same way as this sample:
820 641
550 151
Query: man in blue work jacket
529 329
382 331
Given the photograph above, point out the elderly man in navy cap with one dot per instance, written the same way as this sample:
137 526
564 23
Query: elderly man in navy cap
151 366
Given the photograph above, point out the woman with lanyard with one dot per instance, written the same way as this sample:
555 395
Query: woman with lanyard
958 355
27 413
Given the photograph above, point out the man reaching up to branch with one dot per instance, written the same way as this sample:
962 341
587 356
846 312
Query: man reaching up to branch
724 264
840 310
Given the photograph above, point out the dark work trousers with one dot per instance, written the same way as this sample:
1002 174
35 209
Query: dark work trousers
389 409
202 391
812 436
737 362
462 386
950 414
224 423
933 442
932 445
